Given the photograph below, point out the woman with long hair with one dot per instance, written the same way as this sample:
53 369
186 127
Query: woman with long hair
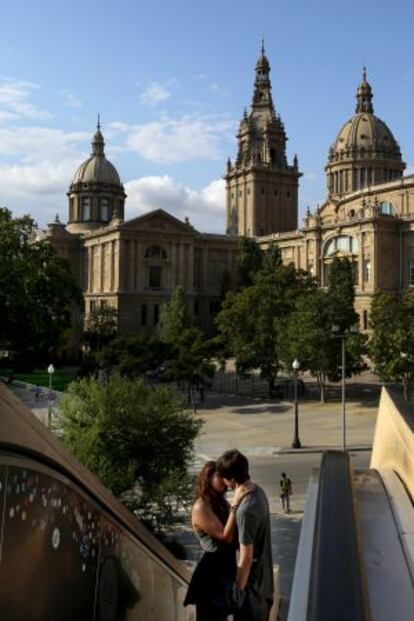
214 523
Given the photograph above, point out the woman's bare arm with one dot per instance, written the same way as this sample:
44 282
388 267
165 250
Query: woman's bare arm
204 518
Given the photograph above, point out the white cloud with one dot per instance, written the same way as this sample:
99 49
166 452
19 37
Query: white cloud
205 207
14 100
170 140
36 143
71 100
155 93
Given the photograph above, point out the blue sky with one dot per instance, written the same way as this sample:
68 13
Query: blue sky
170 79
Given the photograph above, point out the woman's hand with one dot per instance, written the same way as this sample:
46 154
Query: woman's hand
240 493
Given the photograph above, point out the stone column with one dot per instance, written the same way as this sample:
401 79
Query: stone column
190 267
173 265
204 270
90 269
181 265
361 262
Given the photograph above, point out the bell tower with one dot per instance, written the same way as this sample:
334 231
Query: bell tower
262 188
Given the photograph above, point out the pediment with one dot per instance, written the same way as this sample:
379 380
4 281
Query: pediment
159 221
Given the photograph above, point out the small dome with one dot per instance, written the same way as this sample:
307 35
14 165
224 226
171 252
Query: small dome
97 169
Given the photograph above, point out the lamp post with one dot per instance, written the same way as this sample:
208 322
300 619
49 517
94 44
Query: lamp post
296 442
336 333
50 370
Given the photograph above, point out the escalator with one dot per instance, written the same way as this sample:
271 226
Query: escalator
68 549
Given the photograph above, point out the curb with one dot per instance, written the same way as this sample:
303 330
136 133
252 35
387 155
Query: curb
286 450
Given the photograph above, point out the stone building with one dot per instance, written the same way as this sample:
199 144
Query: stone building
135 265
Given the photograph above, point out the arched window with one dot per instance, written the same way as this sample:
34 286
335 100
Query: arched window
155 252
342 243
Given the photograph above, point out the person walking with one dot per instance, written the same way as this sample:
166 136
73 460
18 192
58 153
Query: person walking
254 574
285 492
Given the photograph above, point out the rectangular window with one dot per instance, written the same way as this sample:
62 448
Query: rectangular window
355 271
155 272
144 315
196 308
86 208
92 305
365 319
367 270
412 272
156 314
103 303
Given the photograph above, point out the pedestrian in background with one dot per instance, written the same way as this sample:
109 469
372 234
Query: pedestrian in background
285 492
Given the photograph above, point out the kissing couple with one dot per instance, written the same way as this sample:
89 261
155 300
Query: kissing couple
235 573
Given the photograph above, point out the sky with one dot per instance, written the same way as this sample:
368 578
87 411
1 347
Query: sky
170 79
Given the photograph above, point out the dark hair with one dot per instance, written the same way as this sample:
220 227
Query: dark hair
204 490
234 465
283 474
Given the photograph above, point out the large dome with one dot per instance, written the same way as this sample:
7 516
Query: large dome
367 136
97 169
365 151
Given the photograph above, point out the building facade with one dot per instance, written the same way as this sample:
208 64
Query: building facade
134 266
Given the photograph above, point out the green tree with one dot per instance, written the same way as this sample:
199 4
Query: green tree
37 293
249 262
137 439
309 338
341 294
191 360
101 327
133 356
252 321
391 346
174 317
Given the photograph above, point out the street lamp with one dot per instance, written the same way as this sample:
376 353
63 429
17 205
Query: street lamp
336 333
50 370
296 442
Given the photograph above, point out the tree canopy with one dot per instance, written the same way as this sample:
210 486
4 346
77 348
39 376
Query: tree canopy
251 322
391 346
101 327
37 293
341 294
137 439
249 262
174 317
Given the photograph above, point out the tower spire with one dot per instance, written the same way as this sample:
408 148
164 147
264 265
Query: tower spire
364 95
98 142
